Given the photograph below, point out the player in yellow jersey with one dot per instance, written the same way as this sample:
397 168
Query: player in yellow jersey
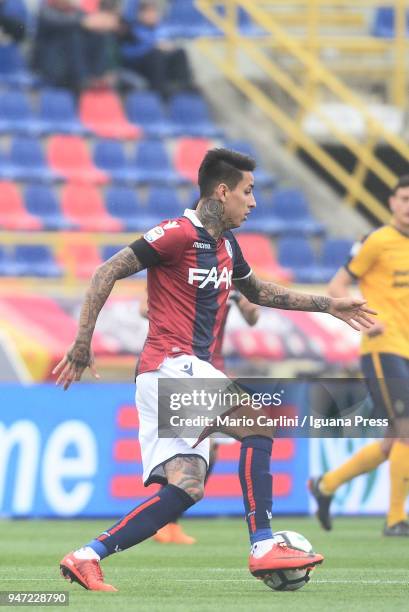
380 265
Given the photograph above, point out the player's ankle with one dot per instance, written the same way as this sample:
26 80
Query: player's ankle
259 549
86 553
324 488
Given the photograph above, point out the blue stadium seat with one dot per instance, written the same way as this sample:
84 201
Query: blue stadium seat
145 109
164 203
43 203
13 69
27 162
152 164
262 178
186 21
36 260
123 203
109 155
262 218
58 112
384 22
291 206
190 115
335 254
8 266
17 116
297 254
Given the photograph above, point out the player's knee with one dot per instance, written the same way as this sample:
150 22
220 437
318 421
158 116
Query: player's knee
195 491
188 473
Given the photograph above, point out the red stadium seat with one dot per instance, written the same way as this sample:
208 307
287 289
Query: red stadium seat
90 6
258 251
84 205
13 215
188 156
102 112
69 155
79 259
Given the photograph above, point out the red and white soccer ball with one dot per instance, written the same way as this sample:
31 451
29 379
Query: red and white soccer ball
290 580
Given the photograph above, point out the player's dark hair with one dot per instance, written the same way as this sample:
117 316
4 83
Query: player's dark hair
222 166
402 182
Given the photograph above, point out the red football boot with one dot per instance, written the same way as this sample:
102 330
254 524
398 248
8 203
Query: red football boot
87 572
280 557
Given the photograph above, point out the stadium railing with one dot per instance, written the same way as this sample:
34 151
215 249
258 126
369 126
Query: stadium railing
318 80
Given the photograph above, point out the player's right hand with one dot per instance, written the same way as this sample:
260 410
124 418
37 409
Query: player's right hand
71 367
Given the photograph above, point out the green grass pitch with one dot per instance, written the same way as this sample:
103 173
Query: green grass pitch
362 570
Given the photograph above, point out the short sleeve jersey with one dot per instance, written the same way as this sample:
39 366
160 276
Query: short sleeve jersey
188 289
380 263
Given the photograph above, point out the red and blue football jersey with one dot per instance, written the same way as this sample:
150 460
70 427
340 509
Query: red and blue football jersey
188 289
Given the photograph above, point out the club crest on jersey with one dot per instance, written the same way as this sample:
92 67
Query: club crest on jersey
154 234
228 248
205 277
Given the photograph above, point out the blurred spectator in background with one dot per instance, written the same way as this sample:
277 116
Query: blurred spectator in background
73 42
13 18
164 66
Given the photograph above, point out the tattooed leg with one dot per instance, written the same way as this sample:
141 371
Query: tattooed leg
187 472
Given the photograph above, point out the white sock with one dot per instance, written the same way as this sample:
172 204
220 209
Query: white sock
86 552
259 549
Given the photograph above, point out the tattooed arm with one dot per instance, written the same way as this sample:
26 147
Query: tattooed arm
351 310
79 355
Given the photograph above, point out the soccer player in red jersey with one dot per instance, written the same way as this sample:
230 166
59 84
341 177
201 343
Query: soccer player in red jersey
172 533
192 262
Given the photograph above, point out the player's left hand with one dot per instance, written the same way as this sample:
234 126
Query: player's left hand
353 311
71 367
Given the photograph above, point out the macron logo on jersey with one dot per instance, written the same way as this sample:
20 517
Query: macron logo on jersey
206 277
201 245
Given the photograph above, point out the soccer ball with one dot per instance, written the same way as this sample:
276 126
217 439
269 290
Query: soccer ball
290 580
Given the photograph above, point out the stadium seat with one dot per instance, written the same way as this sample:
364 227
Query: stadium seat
58 112
152 164
291 207
186 21
109 156
384 22
102 113
145 108
262 178
122 202
188 155
297 254
69 155
190 115
13 70
164 203
8 266
83 205
259 253
17 116
262 218
27 162
79 259
36 260
335 253
42 202
13 215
